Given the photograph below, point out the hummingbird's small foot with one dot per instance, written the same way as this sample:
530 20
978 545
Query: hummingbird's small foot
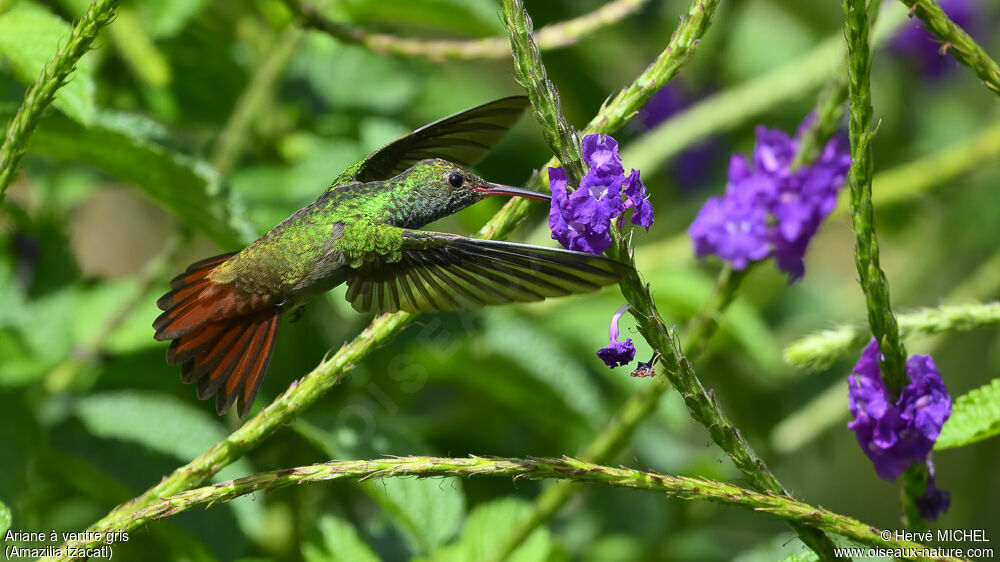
297 313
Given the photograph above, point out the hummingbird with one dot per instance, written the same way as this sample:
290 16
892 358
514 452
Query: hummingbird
222 313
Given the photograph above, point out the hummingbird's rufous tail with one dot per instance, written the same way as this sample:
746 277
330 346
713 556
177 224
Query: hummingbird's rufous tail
222 340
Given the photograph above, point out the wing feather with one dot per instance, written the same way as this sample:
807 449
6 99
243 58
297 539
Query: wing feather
463 138
440 271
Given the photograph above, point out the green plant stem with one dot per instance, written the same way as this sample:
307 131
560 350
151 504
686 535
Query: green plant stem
956 41
866 252
829 407
534 468
637 408
820 350
43 91
702 405
737 105
329 372
557 35
531 74
828 110
908 180
253 99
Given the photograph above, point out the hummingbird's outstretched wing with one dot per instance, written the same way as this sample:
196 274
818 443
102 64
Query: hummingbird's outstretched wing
440 271
463 138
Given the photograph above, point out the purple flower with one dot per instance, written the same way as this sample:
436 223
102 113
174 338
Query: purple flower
896 433
924 48
733 228
617 353
580 220
934 502
638 199
768 208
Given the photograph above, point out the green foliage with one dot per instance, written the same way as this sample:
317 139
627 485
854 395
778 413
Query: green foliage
5 518
29 35
339 542
479 538
124 146
975 416
143 116
428 512
166 425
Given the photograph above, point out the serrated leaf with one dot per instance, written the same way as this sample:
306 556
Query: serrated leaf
340 543
167 425
480 539
975 416
5 518
30 36
122 145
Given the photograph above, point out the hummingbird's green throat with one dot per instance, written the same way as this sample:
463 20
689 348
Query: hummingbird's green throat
222 313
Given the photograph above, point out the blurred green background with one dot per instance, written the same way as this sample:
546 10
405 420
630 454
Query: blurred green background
197 125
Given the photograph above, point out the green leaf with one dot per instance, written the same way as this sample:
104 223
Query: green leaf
340 543
360 79
30 36
542 356
35 333
480 538
123 146
975 416
427 511
170 426
5 518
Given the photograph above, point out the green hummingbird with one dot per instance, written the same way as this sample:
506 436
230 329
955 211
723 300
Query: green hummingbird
222 313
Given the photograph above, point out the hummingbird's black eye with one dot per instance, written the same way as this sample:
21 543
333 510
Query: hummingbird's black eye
456 179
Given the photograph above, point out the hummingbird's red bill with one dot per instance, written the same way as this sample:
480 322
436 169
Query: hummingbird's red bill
488 189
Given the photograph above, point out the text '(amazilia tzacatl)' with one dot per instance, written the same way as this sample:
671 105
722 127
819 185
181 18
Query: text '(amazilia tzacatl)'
222 313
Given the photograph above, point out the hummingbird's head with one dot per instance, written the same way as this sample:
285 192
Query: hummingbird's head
455 187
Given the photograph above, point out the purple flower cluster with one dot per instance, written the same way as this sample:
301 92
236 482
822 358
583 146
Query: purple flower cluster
895 434
768 208
580 220
617 353
919 44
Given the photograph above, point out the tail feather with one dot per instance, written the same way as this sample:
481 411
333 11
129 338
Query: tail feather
222 340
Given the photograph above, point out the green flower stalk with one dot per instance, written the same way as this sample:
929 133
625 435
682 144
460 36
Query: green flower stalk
533 468
530 73
866 252
820 350
43 91
703 406
305 391
956 41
